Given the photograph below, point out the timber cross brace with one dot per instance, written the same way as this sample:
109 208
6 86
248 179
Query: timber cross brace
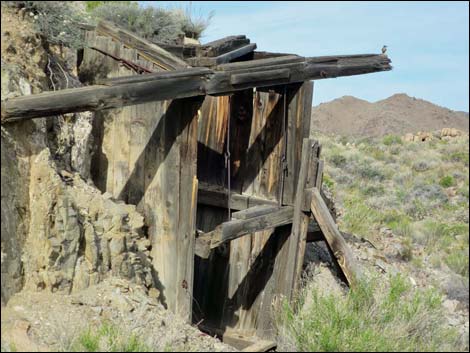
161 139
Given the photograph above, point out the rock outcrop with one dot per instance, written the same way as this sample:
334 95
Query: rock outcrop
59 232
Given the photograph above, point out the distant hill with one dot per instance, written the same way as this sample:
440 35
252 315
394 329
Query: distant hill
398 114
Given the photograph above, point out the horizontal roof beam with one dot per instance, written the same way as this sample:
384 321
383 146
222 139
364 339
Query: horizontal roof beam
224 79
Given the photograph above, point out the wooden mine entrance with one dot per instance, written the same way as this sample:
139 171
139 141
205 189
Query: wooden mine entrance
218 159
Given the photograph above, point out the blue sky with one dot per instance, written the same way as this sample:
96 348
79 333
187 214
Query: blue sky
428 42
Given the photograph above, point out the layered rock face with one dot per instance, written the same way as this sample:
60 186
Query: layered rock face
19 143
58 232
83 236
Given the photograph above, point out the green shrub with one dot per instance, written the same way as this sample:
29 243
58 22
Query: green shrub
369 318
338 160
407 253
108 338
156 24
328 181
371 190
358 218
459 156
421 166
56 21
91 5
371 172
457 261
447 181
389 140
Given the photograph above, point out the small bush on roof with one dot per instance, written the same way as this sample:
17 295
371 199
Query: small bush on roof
155 24
56 21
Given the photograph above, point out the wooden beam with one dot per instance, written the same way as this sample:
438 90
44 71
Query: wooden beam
157 76
260 346
237 228
334 239
171 203
193 83
204 240
223 58
319 180
295 252
146 49
182 51
223 45
214 195
246 343
254 211
266 55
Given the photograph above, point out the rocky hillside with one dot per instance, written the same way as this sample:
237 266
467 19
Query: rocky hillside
76 272
398 114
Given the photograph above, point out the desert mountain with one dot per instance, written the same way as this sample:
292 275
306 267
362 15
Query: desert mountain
398 114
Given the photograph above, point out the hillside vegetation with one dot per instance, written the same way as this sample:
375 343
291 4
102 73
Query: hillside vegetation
419 190
410 200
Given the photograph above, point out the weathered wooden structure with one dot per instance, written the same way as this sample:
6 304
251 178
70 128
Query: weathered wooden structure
214 147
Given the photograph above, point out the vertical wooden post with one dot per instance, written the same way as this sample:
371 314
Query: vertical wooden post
147 156
170 203
298 127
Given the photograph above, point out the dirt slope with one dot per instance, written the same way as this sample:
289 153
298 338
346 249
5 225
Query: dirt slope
398 114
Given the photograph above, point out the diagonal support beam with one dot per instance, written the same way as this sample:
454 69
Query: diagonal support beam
334 239
148 50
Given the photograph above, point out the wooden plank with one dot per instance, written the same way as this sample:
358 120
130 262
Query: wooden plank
245 343
313 171
319 181
254 211
266 55
212 130
146 49
223 58
231 230
277 75
261 346
202 247
334 239
204 241
214 195
298 128
260 174
164 75
182 51
223 45
100 97
262 63
170 202
294 253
